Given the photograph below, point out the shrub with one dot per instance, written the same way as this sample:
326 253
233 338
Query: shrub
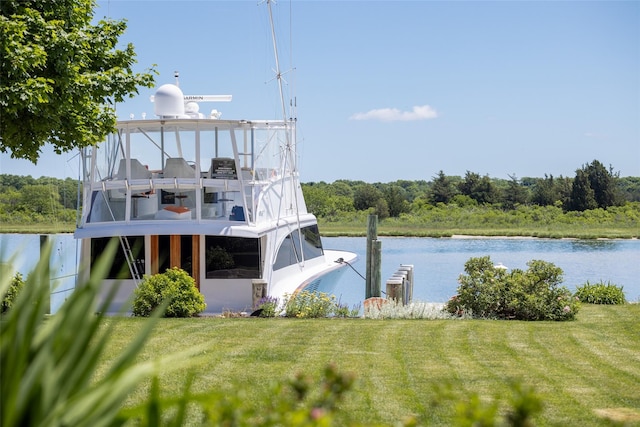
487 291
175 286
600 293
12 292
309 304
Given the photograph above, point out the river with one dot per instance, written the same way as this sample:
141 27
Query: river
437 262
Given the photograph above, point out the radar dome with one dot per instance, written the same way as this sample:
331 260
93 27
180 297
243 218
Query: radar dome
169 101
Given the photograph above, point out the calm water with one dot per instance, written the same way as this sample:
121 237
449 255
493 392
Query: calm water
439 262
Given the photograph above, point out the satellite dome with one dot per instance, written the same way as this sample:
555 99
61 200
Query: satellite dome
169 101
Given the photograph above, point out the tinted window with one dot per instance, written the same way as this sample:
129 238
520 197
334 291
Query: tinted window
119 268
232 257
290 251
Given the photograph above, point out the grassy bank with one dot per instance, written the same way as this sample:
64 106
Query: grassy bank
582 369
359 229
331 229
38 228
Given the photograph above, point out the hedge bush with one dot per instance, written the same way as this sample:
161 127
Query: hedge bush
174 285
600 293
487 291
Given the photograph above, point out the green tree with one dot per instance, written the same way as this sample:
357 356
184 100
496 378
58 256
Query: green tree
16 181
322 201
442 190
545 192
594 187
630 188
316 198
366 196
396 200
480 189
40 199
515 194
341 188
603 183
9 199
582 195
61 75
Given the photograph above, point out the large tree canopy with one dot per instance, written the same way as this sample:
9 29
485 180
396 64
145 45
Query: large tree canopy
60 75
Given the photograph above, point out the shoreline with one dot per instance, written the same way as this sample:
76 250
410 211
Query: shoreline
359 235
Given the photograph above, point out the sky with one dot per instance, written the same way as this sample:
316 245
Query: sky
399 90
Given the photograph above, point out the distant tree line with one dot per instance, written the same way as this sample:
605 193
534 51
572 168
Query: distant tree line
594 186
24 199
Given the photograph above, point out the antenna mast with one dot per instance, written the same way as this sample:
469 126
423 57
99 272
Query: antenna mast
278 72
288 144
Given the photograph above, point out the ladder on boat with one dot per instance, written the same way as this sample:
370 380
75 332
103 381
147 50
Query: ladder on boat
131 260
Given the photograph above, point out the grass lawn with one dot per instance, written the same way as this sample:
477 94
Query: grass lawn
582 369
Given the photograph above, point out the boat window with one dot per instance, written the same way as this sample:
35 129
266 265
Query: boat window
290 250
232 257
312 242
119 268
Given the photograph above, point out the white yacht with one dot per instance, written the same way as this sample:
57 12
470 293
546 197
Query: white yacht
220 199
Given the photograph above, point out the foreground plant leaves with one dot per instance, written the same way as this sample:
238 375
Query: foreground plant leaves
48 363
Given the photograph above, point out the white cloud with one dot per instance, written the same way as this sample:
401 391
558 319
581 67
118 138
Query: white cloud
419 112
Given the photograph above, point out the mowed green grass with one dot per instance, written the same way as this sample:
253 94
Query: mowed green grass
581 369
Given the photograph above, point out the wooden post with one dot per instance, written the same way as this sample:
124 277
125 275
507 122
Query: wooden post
44 241
394 289
372 236
408 292
376 266
402 276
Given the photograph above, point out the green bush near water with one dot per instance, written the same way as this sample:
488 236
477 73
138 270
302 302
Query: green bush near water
489 291
600 293
175 286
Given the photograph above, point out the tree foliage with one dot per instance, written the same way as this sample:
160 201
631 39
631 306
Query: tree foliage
515 194
480 189
594 187
30 200
442 190
61 75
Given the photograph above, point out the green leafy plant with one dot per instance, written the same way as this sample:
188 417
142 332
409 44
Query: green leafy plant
49 363
601 293
16 284
521 408
343 310
487 291
300 401
267 307
309 304
175 286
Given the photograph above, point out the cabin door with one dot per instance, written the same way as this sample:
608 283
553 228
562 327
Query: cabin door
176 251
